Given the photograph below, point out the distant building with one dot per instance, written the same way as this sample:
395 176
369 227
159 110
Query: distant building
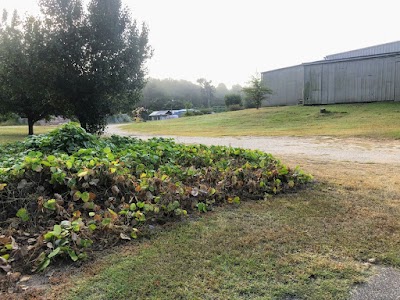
166 114
369 74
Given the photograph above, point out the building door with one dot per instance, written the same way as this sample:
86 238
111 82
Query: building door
397 82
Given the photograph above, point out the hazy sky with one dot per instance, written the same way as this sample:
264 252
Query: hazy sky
230 40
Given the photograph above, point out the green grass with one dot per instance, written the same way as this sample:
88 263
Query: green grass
308 245
10 134
373 120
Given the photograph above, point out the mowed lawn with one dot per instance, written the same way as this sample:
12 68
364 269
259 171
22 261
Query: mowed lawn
372 120
10 134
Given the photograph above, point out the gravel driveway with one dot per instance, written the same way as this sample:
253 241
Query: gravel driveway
317 148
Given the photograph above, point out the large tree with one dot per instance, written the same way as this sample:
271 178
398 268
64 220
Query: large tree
256 91
207 89
24 72
100 58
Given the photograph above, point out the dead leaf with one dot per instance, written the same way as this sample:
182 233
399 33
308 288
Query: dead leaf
124 236
115 190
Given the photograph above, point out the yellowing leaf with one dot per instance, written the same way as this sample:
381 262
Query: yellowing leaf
82 174
2 186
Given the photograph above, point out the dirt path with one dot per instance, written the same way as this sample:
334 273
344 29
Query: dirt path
316 148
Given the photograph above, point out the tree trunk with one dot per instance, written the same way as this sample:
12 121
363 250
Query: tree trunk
30 126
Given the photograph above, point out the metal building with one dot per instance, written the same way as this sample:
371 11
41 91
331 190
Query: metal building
365 75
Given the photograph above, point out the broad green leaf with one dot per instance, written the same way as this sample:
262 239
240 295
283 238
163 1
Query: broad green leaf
57 230
106 221
85 197
48 236
132 207
44 264
54 252
107 150
23 214
50 204
72 254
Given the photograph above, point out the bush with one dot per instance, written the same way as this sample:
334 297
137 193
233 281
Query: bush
11 119
69 190
233 99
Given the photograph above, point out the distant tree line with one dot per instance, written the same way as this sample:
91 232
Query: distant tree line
84 63
164 94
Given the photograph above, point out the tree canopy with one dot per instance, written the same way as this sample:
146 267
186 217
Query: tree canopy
24 73
82 63
159 93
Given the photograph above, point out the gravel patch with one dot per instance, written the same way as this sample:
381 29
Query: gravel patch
385 285
317 148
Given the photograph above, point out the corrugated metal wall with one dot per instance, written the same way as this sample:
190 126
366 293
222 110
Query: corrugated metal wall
368 51
286 84
362 80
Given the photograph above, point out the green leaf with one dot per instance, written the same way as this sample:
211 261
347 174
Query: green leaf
92 214
134 233
43 265
106 221
57 230
85 197
54 252
50 204
69 164
22 213
132 207
107 150
48 236
92 227
72 254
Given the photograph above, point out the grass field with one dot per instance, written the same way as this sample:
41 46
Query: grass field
373 120
17 133
314 244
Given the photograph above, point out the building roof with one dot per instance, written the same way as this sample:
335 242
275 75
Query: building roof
160 113
376 50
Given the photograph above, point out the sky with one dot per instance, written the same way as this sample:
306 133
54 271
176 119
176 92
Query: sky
228 41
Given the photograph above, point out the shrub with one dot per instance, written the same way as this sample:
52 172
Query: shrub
69 190
233 99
